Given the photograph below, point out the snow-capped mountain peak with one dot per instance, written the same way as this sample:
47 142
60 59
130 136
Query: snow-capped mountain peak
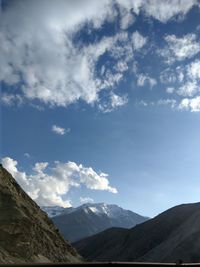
91 218
110 210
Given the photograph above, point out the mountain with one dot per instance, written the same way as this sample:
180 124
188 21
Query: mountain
172 235
89 219
53 211
26 232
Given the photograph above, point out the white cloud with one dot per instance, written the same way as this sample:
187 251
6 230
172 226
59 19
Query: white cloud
121 66
84 200
168 76
170 90
117 100
138 40
167 102
37 46
27 155
143 79
183 80
165 10
37 50
181 48
40 167
191 104
162 10
10 100
49 187
188 89
126 18
193 70
114 102
59 130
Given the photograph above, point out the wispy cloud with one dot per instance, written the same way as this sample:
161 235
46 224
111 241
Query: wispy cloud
143 79
84 200
59 130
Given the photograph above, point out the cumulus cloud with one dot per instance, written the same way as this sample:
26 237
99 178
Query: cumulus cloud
180 48
189 88
170 90
37 50
113 102
163 10
84 200
138 40
193 70
59 130
38 53
49 185
143 79
126 17
168 9
183 80
191 104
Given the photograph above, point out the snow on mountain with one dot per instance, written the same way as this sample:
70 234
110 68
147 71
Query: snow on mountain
111 210
89 219
53 211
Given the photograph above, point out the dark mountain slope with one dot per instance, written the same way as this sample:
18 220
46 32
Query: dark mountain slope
26 233
172 235
90 219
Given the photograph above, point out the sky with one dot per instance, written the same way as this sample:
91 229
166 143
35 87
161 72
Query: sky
100 101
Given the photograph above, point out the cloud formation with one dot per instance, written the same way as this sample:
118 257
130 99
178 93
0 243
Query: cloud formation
38 53
59 130
84 200
49 186
181 48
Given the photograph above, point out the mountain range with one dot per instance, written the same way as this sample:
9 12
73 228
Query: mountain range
170 236
91 218
27 235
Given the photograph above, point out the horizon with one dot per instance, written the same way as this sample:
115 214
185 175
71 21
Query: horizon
100 101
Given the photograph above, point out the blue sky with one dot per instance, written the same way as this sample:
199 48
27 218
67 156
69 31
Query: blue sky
100 101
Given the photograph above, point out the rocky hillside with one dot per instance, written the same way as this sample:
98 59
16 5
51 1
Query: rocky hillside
26 232
92 218
172 235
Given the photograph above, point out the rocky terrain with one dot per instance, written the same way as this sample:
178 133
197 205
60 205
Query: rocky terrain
26 232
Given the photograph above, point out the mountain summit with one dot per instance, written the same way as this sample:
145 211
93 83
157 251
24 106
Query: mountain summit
26 233
91 218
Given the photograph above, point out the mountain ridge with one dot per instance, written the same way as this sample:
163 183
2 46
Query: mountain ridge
91 218
26 233
165 238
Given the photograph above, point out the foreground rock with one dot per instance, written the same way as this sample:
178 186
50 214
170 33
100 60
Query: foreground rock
26 233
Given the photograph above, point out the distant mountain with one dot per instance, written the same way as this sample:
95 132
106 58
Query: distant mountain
172 235
53 211
89 219
27 235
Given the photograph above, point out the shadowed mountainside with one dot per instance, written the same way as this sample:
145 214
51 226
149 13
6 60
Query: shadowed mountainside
93 218
172 235
26 233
